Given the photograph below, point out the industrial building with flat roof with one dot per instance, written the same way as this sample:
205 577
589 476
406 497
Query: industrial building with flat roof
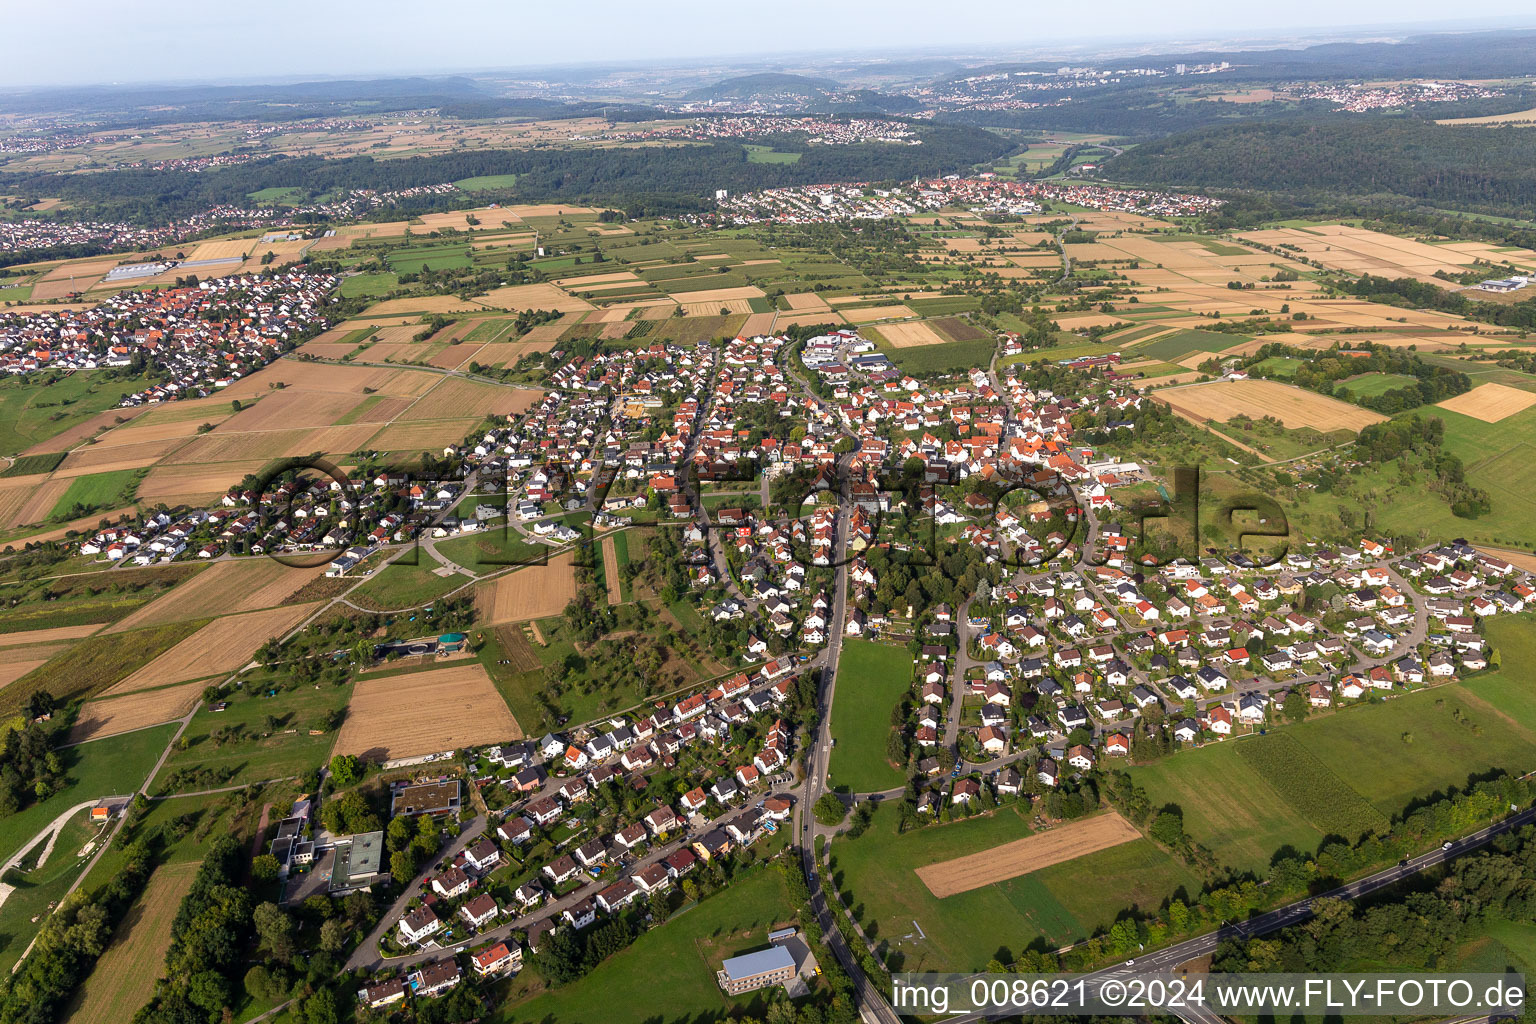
359 861
772 966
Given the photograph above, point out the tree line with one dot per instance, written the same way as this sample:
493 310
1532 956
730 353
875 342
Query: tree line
1487 169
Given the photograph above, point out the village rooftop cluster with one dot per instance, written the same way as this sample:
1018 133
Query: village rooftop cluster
812 204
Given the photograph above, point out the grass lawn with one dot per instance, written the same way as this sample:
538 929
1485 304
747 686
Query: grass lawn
1143 878
399 585
255 757
1368 385
1499 457
486 182
513 665
871 679
114 766
32 412
369 285
1283 366
97 491
41 887
1246 825
93 664
277 195
1497 947
669 972
767 155
1415 745
491 550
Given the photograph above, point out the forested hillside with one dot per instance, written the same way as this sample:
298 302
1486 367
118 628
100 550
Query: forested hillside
675 177
1490 169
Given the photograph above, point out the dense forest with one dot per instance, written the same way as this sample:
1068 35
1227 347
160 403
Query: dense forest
1482 169
650 179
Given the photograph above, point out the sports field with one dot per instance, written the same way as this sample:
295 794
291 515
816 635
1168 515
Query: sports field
871 679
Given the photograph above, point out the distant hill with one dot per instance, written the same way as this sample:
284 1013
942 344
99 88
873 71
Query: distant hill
768 83
815 95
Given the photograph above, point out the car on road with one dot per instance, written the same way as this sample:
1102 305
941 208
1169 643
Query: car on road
1445 845
1130 963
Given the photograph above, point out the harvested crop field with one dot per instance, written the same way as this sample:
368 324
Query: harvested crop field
177 485
422 304
292 408
757 323
87 429
1220 401
385 717
32 503
102 718
424 436
1020 857
534 592
806 301
125 975
872 313
225 446
531 296
241 585
97 459
1490 402
910 335
457 398
233 248
48 636
221 646
16 662
713 307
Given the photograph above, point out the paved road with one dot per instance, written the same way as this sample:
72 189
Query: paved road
367 957
368 948
1166 959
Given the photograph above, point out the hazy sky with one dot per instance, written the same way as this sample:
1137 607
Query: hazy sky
100 41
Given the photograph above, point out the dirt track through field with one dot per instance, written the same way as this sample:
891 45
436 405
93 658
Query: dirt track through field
1020 857
611 571
424 713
